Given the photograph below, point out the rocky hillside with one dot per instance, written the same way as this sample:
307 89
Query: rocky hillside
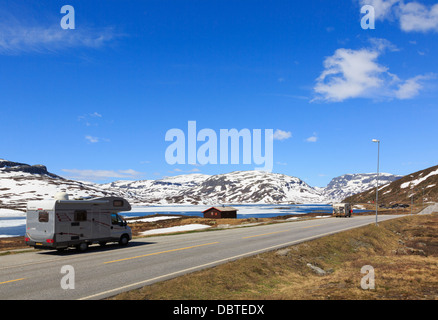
400 191
349 184
20 183
10 167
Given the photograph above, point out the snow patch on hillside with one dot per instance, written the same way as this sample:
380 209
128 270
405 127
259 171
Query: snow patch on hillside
415 182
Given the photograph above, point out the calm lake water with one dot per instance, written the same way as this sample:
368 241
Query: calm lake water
12 226
244 211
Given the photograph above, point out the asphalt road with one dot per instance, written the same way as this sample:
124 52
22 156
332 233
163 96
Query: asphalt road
103 272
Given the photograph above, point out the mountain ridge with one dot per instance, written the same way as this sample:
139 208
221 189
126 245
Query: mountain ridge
20 182
420 185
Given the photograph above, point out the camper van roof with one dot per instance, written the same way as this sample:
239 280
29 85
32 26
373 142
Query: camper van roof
42 204
82 200
50 204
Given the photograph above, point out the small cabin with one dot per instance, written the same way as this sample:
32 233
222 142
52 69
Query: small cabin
220 213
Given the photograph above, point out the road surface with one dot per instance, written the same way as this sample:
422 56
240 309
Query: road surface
105 271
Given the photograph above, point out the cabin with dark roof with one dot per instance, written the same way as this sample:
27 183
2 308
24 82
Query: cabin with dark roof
220 213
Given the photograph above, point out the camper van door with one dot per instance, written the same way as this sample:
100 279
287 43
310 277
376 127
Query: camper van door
117 226
102 224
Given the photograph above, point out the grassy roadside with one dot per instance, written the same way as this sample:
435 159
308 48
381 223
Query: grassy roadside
403 253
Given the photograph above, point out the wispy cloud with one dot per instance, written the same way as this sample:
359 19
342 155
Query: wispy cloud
96 114
100 175
23 39
282 135
178 170
92 139
21 32
90 119
411 87
357 74
313 138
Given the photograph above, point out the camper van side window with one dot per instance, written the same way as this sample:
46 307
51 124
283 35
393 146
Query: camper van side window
80 215
43 216
118 203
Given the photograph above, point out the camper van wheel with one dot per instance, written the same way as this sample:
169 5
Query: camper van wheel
124 239
82 246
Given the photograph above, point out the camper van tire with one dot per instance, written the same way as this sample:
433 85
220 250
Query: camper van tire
124 239
82 247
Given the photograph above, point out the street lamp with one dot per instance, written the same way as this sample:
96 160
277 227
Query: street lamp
377 183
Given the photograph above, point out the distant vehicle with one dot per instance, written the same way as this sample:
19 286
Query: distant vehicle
342 210
62 223
399 205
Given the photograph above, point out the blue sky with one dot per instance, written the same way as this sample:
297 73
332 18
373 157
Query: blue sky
95 102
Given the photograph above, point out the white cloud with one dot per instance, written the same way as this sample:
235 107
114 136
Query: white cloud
98 175
411 87
178 170
349 74
357 74
382 8
282 135
313 138
415 16
412 16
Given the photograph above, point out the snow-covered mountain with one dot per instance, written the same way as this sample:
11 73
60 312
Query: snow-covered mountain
349 184
249 187
155 191
20 183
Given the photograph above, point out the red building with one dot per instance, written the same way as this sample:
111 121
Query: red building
220 213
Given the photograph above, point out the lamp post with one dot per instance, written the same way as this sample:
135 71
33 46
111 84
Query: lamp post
377 183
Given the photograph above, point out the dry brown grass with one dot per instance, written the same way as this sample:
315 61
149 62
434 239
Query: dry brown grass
403 252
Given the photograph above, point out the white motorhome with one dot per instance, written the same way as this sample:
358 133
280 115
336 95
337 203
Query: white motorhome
61 223
342 210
